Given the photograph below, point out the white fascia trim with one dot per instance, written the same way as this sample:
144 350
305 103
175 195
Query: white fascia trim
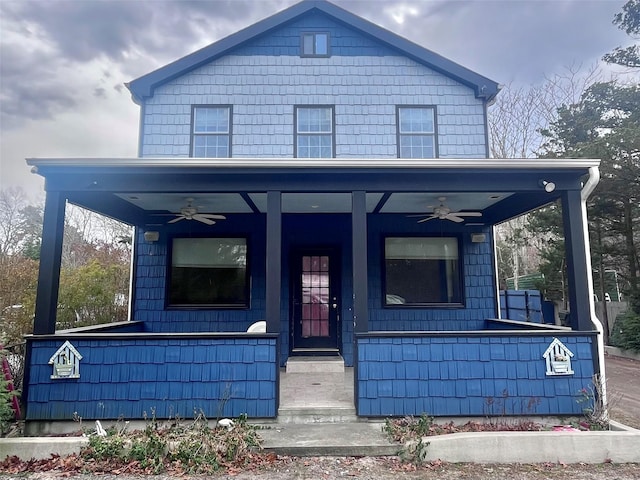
267 163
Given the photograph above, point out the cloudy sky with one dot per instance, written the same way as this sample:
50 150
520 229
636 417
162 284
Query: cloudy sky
63 63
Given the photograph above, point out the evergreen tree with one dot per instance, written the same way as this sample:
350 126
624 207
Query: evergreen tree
605 124
629 21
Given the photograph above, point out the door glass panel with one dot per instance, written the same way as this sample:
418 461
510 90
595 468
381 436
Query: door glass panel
315 296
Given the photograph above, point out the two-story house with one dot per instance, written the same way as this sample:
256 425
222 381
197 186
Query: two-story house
331 179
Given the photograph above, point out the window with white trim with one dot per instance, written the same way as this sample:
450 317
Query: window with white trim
422 271
209 272
314 44
314 132
416 132
211 132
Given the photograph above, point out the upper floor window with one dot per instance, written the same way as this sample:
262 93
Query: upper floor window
314 132
314 44
211 132
416 132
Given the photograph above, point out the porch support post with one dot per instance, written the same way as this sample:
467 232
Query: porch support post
360 274
576 253
274 261
50 260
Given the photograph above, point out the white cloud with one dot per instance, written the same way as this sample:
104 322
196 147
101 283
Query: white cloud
401 11
63 64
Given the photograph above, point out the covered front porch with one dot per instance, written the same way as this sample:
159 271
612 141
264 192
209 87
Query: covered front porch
450 357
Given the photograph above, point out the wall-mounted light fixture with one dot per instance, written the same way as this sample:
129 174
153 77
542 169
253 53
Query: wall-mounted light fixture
151 236
548 186
478 238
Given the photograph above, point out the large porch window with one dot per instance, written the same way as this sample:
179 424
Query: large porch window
209 272
422 271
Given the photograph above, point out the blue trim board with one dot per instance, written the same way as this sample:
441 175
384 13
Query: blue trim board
144 86
50 260
131 377
468 375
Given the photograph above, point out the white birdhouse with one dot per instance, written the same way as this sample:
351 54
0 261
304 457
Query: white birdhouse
66 362
558 359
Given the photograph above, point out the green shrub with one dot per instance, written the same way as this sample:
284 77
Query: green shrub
626 331
191 448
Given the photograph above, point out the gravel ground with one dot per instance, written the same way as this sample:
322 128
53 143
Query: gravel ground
320 468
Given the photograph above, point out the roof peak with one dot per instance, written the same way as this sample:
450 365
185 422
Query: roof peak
143 87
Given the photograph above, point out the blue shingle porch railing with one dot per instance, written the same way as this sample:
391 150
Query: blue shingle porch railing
471 373
133 375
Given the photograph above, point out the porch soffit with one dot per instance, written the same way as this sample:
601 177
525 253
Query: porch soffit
313 202
132 188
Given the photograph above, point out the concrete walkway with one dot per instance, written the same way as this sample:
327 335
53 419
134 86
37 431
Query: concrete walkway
353 439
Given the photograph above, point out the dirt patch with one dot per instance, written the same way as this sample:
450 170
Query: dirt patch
623 382
387 468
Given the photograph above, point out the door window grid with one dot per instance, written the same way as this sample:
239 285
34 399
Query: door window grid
315 296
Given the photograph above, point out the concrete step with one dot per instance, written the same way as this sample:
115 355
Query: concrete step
307 415
320 364
327 439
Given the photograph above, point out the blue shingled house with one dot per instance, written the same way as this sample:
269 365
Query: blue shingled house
324 176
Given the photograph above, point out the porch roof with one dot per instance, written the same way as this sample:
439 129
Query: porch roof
133 189
340 163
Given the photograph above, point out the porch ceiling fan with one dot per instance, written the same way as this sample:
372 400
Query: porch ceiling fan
190 212
442 212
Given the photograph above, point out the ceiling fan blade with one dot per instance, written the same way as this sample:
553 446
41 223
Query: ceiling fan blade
427 219
203 219
454 218
467 214
212 216
177 219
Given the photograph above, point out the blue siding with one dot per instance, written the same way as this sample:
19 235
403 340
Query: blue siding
286 41
478 277
264 79
318 230
152 273
468 375
132 378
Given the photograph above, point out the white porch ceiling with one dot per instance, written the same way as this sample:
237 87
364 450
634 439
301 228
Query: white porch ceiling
204 202
425 202
230 203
